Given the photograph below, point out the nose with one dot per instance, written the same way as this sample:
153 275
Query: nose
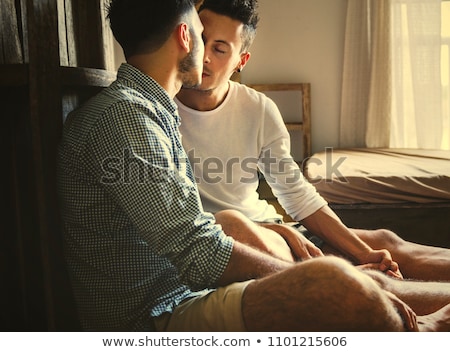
206 58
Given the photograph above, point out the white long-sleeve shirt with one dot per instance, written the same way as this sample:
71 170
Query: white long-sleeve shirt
227 146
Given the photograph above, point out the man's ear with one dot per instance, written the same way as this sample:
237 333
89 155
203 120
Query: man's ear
244 59
184 36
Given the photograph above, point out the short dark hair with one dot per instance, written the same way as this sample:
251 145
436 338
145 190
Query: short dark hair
142 26
244 11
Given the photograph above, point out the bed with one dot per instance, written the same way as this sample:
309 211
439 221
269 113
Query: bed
404 190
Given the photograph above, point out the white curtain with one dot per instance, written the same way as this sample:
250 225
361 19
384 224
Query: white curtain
391 92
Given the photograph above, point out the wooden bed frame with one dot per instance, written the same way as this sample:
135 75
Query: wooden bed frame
421 223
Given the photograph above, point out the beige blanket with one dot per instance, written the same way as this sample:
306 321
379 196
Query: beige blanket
352 176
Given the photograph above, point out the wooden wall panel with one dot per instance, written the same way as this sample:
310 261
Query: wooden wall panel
36 93
11 42
84 34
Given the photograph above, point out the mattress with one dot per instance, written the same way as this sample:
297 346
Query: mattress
380 176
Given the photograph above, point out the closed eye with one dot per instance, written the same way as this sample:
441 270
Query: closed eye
219 51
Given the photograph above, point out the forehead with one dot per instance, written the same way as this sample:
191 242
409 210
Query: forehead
197 21
221 28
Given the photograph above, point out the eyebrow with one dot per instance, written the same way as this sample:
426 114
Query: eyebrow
218 41
222 42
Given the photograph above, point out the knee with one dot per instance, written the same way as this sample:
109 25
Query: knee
234 223
229 216
331 263
358 294
334 269
386 238
366 293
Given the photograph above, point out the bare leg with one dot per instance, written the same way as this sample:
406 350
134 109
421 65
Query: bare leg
430 300
322 294
438 321
416 261
244 230
320 280
423 297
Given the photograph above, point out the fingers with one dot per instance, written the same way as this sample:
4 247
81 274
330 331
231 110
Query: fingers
386 260
390 267
409 317
385 263
304 251
301 247
301 251
396 269
407 314
375 266
315 251
395 274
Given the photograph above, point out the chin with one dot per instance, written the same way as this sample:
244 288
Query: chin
192 83
205 85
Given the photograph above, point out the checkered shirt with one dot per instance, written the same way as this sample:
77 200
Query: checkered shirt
137 240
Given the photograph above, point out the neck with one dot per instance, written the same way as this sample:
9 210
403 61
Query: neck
161 69
204 100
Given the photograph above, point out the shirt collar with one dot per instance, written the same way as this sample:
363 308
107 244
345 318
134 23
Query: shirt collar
147 86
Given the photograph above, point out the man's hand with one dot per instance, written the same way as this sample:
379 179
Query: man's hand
381 260
301 247
408 316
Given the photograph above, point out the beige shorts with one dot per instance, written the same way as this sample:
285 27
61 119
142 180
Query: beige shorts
218 310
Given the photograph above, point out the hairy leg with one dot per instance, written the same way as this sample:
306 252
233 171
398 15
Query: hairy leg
422 296
427 299
416 261
244 230
438 321
321 294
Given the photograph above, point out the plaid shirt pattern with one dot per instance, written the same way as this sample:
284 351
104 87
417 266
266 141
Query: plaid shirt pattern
137 241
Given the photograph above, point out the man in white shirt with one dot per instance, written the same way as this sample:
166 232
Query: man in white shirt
231 131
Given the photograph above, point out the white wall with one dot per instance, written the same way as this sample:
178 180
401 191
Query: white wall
303 41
